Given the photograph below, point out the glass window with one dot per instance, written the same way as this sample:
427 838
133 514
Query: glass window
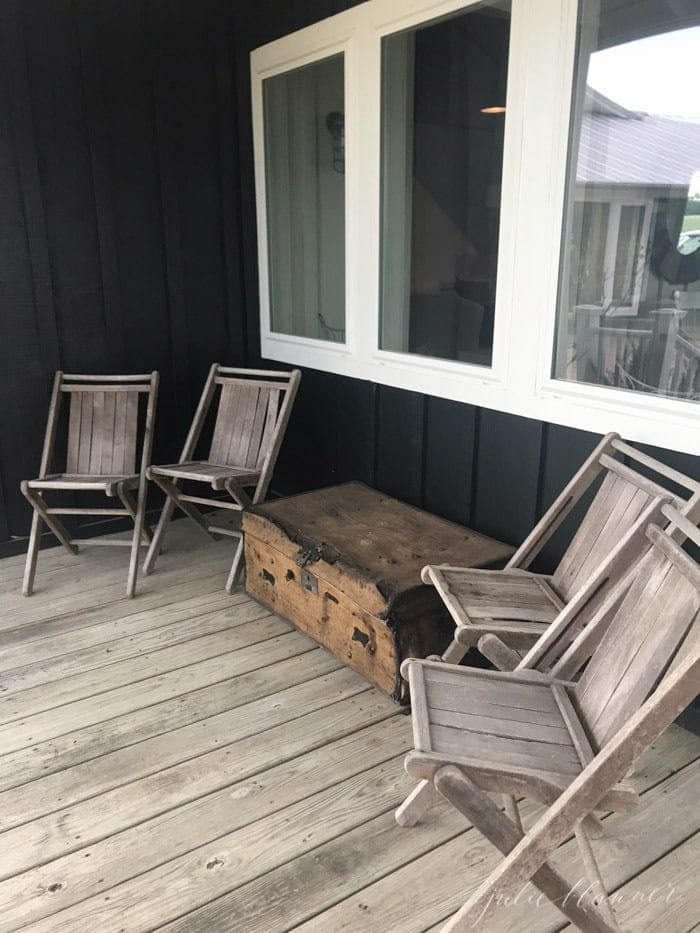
304 123
443 114
629 301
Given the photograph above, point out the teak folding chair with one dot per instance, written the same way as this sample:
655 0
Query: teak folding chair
103 437
514 606
562 744
253 411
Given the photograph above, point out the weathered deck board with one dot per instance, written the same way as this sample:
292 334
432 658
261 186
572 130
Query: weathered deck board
185 762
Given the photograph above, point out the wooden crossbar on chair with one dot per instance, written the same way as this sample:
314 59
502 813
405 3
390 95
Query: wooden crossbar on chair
253 411
103 429
567 745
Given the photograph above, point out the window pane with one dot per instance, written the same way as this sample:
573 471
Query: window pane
629 302
305 165
443 113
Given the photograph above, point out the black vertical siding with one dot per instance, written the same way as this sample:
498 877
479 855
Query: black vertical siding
127 240
120 218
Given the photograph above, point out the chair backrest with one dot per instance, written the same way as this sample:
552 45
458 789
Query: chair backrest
655 625
622 497
254 407
103 424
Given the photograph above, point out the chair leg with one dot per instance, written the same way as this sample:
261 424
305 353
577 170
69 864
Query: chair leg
489 819
157 541
589 860
236 566
418 801
32 555
131 507
139 520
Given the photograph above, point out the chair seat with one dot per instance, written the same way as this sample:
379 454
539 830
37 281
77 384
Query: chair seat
106 484
204 471
516 602
496 726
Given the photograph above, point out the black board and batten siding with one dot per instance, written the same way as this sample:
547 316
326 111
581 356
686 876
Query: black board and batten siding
128 242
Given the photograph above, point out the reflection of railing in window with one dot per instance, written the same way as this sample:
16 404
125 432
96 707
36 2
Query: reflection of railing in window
650 354
336 334
623 353
685 374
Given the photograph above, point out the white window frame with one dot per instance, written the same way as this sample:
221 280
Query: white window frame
538 114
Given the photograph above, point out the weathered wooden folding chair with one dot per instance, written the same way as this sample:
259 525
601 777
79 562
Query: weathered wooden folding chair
504 612
103 439
562 744
517 605
253 411
559 634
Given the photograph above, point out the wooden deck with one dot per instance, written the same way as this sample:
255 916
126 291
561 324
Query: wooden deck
186 761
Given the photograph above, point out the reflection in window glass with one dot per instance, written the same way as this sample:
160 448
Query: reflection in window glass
629 303
304 176
443 114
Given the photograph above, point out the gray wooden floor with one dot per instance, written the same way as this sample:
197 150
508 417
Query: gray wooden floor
186 761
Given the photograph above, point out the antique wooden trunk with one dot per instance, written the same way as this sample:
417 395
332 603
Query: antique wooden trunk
343 564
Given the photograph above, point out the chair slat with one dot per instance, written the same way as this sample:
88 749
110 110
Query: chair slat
74 421
119 448
130 431
108 438
256 433
85 433
238 452
505 727
224 417
96 444
268 437
518 753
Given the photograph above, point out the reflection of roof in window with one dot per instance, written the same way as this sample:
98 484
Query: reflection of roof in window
622 147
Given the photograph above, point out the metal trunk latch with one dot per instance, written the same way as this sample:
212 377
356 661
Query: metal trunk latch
309 582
